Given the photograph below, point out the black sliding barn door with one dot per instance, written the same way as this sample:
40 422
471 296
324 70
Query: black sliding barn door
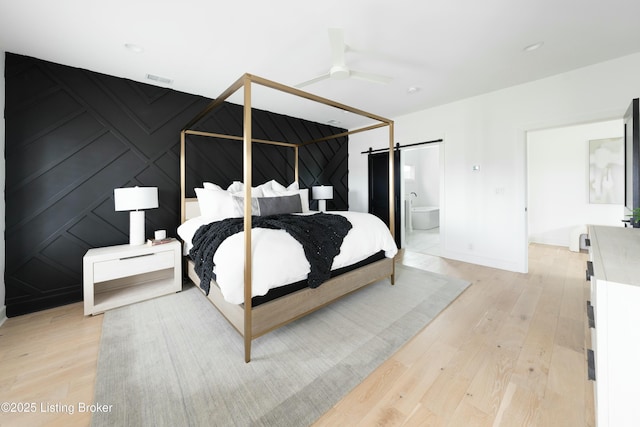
379 188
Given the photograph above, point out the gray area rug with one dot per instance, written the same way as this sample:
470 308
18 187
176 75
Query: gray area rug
175 361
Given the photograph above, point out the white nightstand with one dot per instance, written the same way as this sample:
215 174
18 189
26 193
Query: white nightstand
119 275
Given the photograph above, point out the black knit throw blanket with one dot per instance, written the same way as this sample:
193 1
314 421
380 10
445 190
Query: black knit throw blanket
320 235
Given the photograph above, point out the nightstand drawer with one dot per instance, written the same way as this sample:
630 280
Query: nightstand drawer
125 267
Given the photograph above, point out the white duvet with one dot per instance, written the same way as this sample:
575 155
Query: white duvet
278 259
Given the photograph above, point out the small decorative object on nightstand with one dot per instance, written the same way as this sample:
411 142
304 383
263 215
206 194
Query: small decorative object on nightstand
154 242
119 275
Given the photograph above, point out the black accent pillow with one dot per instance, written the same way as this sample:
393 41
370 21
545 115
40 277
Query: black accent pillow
263 206
279 205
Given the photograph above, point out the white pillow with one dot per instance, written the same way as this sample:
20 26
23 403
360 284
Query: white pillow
304 198
276 186
211 186
237 189
260 188
215 205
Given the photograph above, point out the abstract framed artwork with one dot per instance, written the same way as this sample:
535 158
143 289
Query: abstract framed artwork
606 171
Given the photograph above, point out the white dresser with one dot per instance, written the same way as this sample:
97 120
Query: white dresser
615 297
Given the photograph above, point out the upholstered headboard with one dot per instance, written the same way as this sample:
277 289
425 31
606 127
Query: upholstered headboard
192 209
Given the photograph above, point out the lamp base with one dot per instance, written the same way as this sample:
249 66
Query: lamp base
136 228
322 205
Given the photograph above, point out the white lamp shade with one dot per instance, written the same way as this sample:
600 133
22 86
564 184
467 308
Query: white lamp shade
135 198
322 192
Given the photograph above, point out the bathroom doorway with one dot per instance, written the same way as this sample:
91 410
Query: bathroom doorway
421 184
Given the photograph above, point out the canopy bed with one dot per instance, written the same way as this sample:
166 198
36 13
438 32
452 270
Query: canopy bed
251 314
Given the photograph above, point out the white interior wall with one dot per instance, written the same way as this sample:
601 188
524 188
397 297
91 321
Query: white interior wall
483 215
3 307
558 178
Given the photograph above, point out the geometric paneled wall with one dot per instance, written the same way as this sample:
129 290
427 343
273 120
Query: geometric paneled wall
72 136
220 161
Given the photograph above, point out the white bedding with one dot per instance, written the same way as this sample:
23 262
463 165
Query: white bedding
278 259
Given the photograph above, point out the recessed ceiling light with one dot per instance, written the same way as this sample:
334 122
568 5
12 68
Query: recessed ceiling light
134 48
533 46
333 122
412 90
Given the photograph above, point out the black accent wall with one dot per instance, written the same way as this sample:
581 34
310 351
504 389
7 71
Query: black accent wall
72 136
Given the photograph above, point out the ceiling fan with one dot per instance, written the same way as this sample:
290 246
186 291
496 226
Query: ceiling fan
339 69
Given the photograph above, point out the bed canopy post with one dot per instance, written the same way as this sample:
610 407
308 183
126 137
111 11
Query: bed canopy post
295 164
247 219
183 177
392 196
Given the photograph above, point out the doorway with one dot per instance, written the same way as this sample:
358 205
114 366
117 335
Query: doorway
422 199
559 158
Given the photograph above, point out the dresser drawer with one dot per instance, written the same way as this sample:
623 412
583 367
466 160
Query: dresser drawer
125 267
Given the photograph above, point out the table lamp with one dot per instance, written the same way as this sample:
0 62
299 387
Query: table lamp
322 193
135 200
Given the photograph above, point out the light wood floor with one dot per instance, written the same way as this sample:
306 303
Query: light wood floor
510 351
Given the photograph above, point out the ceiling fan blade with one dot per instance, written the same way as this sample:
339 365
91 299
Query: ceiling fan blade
313 80
370 77
336 39
385 57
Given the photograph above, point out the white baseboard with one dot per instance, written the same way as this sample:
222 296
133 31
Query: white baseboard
3 314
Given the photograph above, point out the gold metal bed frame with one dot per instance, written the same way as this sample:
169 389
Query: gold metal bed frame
253 322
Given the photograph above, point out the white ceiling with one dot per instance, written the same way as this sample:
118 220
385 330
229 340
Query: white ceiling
450 49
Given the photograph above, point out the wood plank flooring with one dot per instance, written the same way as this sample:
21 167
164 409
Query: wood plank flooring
510 351
48 358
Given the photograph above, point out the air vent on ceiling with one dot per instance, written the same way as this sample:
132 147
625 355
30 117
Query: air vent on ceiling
159 79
